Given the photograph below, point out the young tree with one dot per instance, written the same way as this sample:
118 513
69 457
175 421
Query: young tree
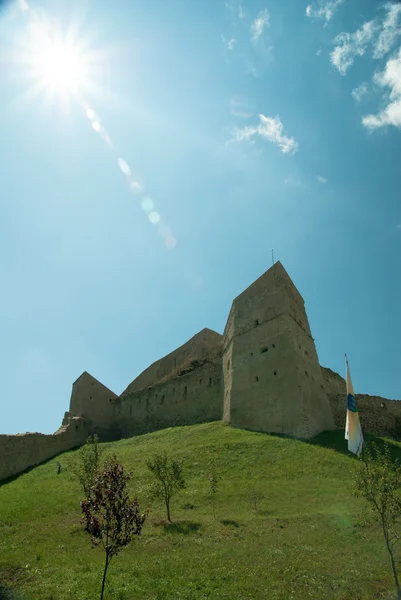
110 517
255 496
169 478
87 462
214 480
379 482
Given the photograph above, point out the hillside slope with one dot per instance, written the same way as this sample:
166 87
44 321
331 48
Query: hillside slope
309 537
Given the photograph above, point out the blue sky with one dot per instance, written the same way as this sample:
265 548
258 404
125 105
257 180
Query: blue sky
138 199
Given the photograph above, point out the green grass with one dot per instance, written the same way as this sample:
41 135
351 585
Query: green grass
309 539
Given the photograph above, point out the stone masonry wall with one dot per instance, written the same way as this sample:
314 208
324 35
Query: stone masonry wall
205 345
378 416
24 450
94 402
193 397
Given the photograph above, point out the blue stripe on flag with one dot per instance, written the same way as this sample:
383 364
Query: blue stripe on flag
351 403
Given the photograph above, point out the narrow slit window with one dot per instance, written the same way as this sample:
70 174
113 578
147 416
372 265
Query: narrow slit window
256 378
185 390
256 322
275 372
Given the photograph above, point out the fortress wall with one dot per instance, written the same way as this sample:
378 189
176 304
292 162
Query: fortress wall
94 402
276 387
227 359
205 345
376 419
194 397
24 450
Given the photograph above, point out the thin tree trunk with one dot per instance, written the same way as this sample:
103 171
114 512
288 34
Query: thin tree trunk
168 510
390 551
104 574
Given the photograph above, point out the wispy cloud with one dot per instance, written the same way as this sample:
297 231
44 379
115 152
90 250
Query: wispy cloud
381 34
325 11
271 129
240 107
293 182
390 30
321 179
391 113
350 45
359 91
229 43
259 25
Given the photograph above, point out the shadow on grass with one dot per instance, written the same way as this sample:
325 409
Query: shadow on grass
229 522
7 594
181 527
336 441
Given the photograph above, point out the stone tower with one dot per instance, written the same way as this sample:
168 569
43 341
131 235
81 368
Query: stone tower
272 377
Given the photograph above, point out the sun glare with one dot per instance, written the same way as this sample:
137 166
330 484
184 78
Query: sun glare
59 60
60 66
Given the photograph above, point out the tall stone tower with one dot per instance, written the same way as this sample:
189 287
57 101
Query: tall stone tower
272 377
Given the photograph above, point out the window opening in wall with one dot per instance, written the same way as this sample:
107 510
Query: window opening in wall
321 387
173 390
162 400
264 349
306 372
185 390
274 345
306 352
299 347
256 322
130 410
210 381
251 353
256 378
200 380
275 372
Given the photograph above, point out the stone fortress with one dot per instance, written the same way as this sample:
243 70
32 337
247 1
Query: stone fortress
262 374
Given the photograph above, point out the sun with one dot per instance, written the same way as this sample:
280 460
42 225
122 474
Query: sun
60 66
59 61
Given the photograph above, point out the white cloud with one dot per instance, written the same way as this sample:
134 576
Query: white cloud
380 33
270 128
321 179
391 113
325 11
259 24
391 28
350 45
229 43
359 92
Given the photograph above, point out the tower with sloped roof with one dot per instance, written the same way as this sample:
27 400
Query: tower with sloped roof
272 378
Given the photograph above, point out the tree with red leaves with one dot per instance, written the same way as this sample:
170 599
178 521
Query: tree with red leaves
111 518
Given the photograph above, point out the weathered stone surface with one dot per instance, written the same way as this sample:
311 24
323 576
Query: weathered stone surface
95 403
272 377
24 450
205 345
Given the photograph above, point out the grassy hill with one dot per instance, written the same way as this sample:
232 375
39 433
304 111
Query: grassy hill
308 539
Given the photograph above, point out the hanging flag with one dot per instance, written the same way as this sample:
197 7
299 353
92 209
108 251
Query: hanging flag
353 429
